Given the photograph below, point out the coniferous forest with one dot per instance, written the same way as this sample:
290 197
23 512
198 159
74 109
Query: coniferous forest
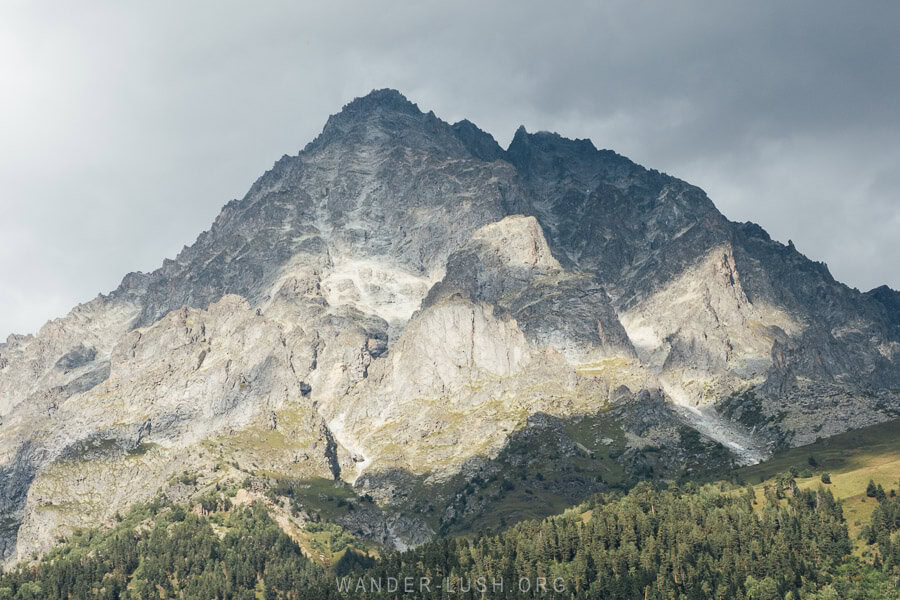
656 542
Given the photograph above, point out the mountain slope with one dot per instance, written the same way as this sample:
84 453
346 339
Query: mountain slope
398 302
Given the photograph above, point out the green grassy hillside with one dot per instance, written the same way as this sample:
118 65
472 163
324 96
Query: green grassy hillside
851 460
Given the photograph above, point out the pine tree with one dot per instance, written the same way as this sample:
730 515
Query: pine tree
871 490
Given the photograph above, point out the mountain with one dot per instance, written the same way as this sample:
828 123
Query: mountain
413 312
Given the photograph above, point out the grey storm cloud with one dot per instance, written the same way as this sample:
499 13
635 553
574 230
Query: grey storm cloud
125 126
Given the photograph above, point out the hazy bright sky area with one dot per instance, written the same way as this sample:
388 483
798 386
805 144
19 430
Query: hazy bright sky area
125 126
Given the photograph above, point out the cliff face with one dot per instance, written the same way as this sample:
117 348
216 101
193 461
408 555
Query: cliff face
400 300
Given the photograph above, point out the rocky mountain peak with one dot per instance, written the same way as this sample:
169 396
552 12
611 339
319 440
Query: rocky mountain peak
550 141
527 147
386 116
385 99
402 298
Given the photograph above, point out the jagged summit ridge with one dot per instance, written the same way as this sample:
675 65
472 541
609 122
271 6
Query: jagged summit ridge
387 116
395 303
385 99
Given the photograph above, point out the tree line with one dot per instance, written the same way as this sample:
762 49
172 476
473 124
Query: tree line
657 542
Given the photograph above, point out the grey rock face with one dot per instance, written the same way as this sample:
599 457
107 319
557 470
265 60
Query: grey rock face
396 301
509 264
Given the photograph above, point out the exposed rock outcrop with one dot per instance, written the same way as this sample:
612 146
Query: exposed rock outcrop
393 304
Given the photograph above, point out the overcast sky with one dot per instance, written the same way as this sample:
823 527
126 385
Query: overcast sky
124 128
